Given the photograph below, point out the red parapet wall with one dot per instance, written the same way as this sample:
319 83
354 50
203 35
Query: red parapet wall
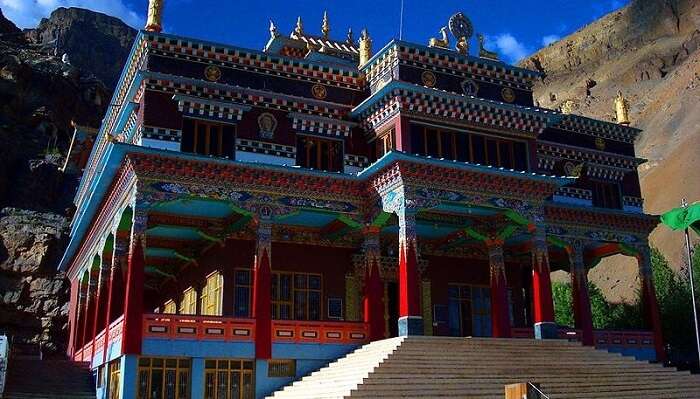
322 332
239 329
198 327
98 345
115 329
627 339
99 342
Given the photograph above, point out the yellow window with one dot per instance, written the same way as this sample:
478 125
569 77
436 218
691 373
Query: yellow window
189 302
170 307
211 297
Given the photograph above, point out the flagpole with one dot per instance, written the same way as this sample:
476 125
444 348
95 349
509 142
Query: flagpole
684 204
401 22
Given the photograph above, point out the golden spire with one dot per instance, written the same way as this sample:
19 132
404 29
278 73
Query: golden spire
273 29
365 47
299 29
325 25
622 109
155 16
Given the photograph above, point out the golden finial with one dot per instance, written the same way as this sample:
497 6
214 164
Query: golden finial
350 39
365 47
443 41
622 109
325 25
577 170
155 14
483 52
567 107
273 29
462 45
299 29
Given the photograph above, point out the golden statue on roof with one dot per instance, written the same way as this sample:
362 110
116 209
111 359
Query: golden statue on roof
155 16
442 42
622 109
483 52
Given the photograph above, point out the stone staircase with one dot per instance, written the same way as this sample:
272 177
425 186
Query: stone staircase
445 367
48 379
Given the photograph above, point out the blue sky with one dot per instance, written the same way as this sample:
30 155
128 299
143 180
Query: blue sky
514 28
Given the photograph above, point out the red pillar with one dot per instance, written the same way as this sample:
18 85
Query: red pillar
500 312
374 303
403 134
73 315
410 317
101 299
262 294
82 312
543 303
408 282
133 306
116 292
581 299
90 306
113 292
650 305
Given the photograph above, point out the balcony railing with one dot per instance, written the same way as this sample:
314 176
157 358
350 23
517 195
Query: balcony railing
198 327
243 330
97 345
325 332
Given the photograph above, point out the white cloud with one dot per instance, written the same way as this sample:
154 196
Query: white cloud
28 13
508 46
549 39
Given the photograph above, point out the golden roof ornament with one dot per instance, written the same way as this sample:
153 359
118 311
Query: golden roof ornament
325 25
462 45
365 48
442 42
483 52
299 28
567 107
350 39
622 109
273 29
155 16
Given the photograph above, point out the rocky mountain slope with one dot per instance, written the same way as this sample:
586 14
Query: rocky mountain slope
40 97
93 41
649 50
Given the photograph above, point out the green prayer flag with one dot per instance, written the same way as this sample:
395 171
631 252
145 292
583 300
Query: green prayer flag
683 218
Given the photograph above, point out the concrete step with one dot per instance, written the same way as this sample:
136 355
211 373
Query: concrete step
35 378
420 367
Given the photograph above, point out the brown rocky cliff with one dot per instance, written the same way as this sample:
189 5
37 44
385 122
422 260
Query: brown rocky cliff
649 51
39 97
